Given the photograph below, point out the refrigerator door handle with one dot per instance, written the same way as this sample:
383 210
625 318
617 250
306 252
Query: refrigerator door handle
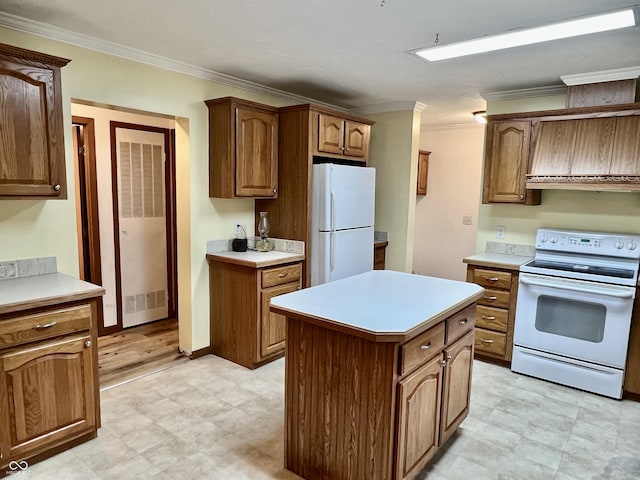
333 211
332 250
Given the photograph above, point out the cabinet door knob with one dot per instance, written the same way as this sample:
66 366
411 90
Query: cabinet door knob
275 190
425 347
56 187
45 326
521 196
443 363
87 343
463 321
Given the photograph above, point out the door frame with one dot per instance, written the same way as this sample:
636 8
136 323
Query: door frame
170 217
87 205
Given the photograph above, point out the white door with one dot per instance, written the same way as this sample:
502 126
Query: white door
142 225
342 254
344 196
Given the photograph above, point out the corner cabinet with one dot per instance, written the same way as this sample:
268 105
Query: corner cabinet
49 398
243 329
243 149
506 162
32 160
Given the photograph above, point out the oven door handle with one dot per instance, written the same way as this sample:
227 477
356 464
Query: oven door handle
592 291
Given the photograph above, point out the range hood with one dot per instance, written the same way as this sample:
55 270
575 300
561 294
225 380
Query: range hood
601 152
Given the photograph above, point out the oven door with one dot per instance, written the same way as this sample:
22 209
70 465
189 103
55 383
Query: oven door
584 320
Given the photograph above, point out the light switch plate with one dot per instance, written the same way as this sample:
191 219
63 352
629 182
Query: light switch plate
500 231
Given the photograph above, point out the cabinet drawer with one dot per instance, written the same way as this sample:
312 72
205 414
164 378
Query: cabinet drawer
494 298
460 323
422 348
492 279
493 343
29 328
279 275
492 318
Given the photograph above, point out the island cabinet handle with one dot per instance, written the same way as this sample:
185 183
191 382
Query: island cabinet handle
282 275
493 279
488 317
463 321
45 326
493 297
425 347
486 342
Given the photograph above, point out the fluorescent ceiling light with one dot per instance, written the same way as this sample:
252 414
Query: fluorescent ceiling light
516 38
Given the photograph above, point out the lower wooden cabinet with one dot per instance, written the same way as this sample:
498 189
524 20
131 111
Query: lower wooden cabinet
379 255
243 329
632 372
49 396
433 401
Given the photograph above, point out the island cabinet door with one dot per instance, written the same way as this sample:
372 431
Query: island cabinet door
419 404
457 385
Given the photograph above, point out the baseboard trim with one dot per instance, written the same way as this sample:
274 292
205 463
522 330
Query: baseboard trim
201 352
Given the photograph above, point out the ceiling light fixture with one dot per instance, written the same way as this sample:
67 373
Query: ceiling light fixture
517 38
481 116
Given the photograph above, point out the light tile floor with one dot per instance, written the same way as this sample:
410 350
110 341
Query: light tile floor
211 419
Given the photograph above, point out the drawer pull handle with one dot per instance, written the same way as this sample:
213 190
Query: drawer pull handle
463 321
282 275
488 317
45 326
486 342
493 297
425 347
493 279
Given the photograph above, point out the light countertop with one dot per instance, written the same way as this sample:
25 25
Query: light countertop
381 305
499 260
40 290
255 259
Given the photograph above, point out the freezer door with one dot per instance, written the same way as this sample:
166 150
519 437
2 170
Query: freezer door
341 254
343 196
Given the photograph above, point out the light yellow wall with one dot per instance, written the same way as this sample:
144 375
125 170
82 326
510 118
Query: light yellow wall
606 211
441 240
32 228
394 153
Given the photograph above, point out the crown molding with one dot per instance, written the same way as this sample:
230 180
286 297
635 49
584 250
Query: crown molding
51 32
613 75
525 93
388 107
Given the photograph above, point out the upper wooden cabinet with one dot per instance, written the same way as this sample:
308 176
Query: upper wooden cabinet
506 162
32 141
423 171
243 149
338 136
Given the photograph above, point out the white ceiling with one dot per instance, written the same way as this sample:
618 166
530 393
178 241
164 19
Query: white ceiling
351 54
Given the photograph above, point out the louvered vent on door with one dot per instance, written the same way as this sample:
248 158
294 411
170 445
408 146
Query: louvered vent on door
141 180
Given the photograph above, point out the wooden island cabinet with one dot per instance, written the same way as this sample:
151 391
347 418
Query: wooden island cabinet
374 386
49 398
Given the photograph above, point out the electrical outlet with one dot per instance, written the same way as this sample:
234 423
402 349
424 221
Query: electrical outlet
288 246
500 231
467 220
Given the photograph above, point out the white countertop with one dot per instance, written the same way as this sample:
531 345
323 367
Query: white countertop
380 302
252 258
40 290
498 259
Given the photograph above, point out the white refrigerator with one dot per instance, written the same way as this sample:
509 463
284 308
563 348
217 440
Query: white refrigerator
342 211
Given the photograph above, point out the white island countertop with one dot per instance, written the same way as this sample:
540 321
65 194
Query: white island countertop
380 305
43 290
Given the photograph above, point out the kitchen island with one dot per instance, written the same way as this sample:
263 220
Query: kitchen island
378 373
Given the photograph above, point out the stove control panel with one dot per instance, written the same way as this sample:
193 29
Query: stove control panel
594 243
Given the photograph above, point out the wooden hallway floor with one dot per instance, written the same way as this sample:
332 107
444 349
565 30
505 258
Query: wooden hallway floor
138 351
